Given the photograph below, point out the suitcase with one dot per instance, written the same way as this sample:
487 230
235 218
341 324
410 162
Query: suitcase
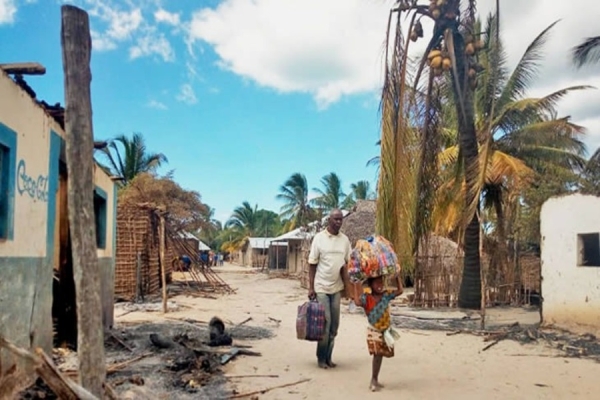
310 321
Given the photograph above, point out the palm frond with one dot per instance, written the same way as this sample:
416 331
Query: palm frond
526 69
587 52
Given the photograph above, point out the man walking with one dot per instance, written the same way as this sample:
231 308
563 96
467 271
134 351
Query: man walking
327 276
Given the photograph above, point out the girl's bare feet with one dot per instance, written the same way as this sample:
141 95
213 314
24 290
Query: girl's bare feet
375 386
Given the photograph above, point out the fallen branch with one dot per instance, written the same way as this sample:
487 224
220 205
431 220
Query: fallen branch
121 342
251 376
240 351
119 366
263 391
491 344
62 387
244 321
110 392
111 369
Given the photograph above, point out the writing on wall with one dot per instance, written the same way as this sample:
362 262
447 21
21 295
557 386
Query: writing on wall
35 187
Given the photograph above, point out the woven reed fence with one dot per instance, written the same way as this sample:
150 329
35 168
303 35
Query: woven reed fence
437 281
138 247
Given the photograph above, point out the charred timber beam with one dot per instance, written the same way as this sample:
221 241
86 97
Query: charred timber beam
26 68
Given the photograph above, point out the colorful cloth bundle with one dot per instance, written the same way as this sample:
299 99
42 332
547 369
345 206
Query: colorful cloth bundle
372 258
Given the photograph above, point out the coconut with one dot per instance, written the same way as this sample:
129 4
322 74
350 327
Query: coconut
470 49
446 64
436 62
433 53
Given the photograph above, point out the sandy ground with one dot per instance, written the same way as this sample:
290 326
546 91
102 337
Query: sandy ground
428 364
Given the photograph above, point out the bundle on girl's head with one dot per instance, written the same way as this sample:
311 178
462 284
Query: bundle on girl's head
372 258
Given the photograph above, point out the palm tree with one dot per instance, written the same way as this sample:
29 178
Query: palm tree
360 190
133 159
590 176
296 207
244 218
587 52
518 136
374 161
332 195
409 139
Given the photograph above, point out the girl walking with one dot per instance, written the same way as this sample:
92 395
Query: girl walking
376 306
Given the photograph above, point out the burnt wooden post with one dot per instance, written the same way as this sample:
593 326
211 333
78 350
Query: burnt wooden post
162 244
76 52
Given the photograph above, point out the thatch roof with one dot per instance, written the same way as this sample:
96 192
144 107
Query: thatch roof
360 223
438 246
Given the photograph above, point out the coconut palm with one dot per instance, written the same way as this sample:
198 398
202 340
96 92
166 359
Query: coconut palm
331 196
587 52
132 159
410 142
360 190
590 176
244 218
296 207
247 221
518 136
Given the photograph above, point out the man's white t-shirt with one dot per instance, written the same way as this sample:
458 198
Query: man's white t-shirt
330 253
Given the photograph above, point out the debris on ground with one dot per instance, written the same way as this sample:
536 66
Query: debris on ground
571 345
170 358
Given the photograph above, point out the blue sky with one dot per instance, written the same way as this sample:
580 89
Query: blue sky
240 94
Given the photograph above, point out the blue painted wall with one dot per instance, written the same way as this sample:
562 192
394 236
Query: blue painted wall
8 139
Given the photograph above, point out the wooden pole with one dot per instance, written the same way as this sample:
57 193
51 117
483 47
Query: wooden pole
163 274
76 52
138 278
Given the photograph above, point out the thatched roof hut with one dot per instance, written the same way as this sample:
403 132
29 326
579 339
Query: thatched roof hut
360 223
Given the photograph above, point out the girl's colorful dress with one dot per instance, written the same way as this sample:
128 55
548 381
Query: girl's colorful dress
378 315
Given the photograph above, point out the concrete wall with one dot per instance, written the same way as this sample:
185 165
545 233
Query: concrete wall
27 255
571 292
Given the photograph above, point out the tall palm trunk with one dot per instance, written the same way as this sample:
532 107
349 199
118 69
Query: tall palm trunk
470 288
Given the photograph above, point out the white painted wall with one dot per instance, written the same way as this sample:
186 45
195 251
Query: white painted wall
571 293
20 113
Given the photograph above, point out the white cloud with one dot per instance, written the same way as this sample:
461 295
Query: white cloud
521 22
157 105
101 42
8 9
187 94
152 43
333 48
162 15
115 23
325 48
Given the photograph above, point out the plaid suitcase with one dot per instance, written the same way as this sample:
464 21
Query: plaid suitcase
310 322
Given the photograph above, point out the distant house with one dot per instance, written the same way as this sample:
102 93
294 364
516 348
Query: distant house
255 253
293 256
189 239
203 246
570 230
35 250
193 242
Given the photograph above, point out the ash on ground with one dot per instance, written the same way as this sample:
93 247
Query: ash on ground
178 369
